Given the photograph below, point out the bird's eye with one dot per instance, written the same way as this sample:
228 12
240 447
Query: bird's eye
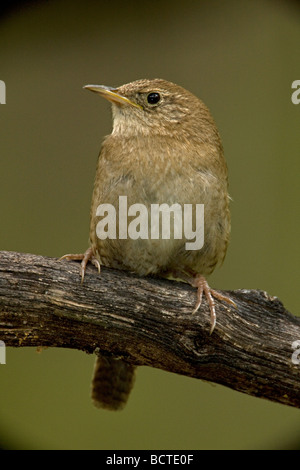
153 98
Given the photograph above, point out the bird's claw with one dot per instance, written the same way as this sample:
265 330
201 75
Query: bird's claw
87 256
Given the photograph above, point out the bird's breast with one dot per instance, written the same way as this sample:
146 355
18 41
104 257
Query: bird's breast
133 177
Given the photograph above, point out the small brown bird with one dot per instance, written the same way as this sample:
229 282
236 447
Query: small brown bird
164 149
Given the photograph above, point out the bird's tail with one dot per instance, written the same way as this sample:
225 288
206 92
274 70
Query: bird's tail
112 382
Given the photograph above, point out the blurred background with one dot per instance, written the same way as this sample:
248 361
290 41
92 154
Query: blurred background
240 58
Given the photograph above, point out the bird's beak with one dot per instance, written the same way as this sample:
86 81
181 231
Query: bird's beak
111 94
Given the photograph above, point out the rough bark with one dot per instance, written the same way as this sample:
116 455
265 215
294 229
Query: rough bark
149 322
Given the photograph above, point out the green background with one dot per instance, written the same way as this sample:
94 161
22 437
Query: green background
241 58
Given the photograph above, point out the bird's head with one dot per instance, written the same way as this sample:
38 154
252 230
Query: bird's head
145 107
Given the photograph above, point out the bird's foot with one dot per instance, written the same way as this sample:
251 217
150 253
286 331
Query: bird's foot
203 287
199 281
87 256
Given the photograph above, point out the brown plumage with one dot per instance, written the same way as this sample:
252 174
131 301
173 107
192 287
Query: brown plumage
164 148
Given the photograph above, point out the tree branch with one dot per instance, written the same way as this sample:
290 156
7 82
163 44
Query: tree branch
149 322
